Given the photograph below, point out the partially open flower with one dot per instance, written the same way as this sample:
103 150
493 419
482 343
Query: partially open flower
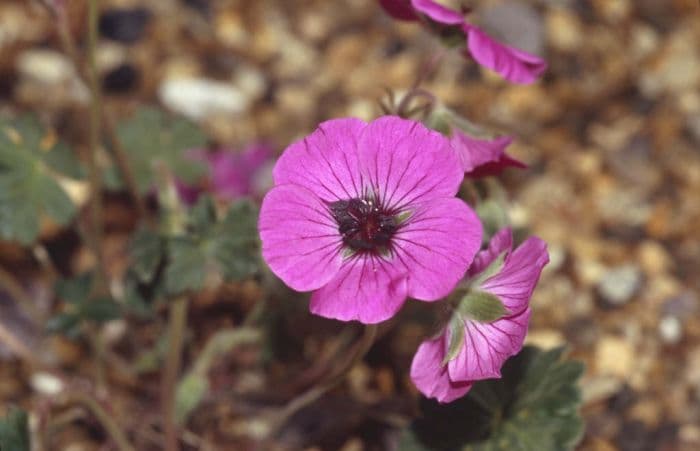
513 64
489 321
483 157
364 215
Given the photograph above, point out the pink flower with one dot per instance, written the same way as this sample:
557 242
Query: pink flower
364 215
231 174
513 64
471 349
482 157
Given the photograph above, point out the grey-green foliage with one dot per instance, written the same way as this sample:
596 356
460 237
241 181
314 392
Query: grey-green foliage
14 431
151 136
211 248
534 407
80 306
224 248
29 167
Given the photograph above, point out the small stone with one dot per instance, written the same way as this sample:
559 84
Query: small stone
124 25
564 30
197 98
599 388
46 384
614 357
120 80
618 285
653 258
545 338
670 329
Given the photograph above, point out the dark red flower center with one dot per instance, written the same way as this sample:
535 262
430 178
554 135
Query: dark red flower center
364 224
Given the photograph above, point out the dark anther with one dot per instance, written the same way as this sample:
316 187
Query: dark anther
364 224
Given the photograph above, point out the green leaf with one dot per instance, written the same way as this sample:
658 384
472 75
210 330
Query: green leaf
533 407
151 136
190 392
187 269
215 249
75 290
14 431
481 306
29 169
147 251
100 310
64 323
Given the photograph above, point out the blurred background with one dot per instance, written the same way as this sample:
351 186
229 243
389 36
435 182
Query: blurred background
611 135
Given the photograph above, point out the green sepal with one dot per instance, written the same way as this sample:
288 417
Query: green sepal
491 270
456 331
481 306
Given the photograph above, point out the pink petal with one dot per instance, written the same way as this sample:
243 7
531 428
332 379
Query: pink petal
431 377
438 12
399 9
325 162
487 346
512 64
436 245
516 281
482 157
300 240
501 241
367 288
405 162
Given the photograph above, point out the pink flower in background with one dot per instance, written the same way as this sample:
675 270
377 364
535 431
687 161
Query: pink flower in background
513 64
482 347
232 174
482 157
364 215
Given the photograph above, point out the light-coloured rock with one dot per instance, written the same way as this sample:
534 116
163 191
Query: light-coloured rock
197 98
618 285
670 329
564 30
614 357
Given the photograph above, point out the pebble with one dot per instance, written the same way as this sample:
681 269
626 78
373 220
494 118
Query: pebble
670 329
124 25
618 285
614 357
197 98
564 30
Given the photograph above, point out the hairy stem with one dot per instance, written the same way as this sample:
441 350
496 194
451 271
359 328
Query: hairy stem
95 179
314 393
115 145
177 324
11 286
17 346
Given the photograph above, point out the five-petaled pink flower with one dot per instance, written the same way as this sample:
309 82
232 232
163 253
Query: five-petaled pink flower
483 347
365 215
481 157
513 64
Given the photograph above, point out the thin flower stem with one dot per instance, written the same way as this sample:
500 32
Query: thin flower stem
177 324
95 179
17 346
115 145
9 284
314 393
103 417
